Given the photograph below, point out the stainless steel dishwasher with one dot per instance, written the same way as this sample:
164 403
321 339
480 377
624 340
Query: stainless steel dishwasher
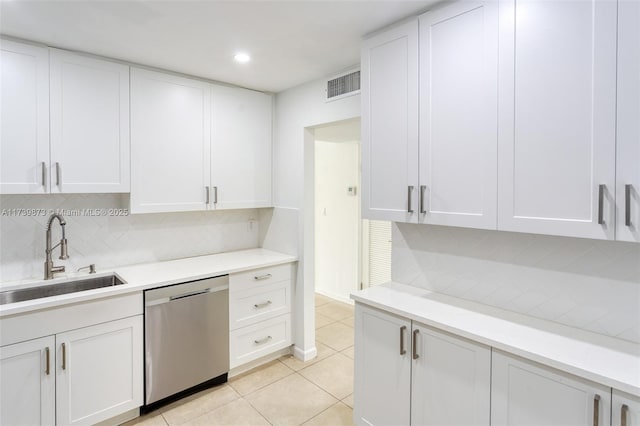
186 338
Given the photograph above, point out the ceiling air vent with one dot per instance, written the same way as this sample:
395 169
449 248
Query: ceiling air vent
347 84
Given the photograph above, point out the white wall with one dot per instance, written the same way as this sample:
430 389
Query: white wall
337 215
297 110
110 241
589 284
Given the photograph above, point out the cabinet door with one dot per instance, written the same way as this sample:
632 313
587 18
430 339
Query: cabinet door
451 379
240 148
99 371
459 115
524 393
390 124
170 142
24 118
625 409
27 383
557 117
89 124
382 383
628 143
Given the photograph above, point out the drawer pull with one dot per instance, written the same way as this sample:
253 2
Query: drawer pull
601 189
44 174
402 348
262 305
47 355
624 413
58 174
64 356
596 410
263 340
409 194
627 205
414 344
262 277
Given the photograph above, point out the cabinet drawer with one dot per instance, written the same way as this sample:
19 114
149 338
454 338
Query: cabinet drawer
258 304
255 341
263 276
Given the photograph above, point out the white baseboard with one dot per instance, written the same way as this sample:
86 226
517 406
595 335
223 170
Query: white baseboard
305 356
338 297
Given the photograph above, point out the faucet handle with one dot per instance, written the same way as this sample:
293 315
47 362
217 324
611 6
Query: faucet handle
92 268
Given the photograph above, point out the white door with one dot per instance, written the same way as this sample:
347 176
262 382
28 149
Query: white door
99 371
625 409
451 379
27 383
170 143
240 148
459 115
628 143
89 124
525 393
24 118
382 382
557 117
390 124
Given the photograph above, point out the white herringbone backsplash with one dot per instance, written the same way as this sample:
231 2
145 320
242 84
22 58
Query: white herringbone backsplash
588 284
110 241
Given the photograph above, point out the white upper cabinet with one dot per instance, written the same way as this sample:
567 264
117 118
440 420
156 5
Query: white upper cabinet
89 124
170 142
557 117
24 120
458 115
524 393
240 148
390 124
628 142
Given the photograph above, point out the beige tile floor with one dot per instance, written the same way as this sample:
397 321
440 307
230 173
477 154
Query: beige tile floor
285 391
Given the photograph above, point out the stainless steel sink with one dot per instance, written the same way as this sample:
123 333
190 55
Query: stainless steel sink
20 295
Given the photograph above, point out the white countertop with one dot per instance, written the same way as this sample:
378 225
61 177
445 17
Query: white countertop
602 359
150 275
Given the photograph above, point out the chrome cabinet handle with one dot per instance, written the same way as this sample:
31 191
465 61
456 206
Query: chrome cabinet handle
627 205
596 410
47 355
64 356
263 340
601 189
402 349
207 197
422 190
409 193
262 305
44 174
58 174
262 277
624 413
414 345
215 195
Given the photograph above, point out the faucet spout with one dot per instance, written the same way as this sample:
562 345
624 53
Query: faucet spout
49 268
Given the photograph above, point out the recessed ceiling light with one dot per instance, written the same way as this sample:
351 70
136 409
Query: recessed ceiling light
242 57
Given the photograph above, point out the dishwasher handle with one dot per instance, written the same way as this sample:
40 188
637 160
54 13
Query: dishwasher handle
193 293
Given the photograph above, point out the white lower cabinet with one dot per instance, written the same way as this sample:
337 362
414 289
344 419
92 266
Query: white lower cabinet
525 393
99 371
408 373
79 377
260 320
625 409
27 383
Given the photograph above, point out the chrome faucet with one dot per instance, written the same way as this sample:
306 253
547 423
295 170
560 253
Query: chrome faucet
49 269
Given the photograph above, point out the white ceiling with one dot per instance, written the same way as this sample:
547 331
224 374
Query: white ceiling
291 42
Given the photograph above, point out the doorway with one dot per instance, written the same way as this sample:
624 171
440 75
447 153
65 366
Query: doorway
349 253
